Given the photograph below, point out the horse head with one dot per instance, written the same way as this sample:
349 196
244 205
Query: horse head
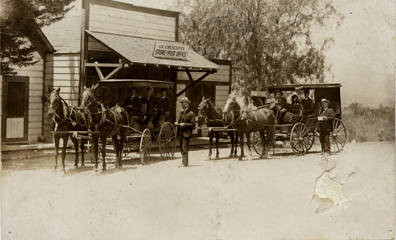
55 102
88 97
203 110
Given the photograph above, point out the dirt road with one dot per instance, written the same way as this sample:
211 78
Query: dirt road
217 199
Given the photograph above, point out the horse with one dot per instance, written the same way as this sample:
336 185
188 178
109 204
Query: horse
212 116
251 119
65 118
104 122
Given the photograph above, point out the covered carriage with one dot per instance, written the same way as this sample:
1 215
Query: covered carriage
302 133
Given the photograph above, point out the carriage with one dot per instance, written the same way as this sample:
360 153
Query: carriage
302 133
157 131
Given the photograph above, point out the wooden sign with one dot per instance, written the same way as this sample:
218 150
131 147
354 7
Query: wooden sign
171 50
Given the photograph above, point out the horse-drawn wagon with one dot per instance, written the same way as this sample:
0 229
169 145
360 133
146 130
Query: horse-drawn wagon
301 131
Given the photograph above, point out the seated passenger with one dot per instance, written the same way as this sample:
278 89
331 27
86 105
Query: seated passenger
280 105
295 111
163 108
132 105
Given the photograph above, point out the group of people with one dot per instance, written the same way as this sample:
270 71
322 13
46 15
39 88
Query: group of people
302 109
297 110
146 108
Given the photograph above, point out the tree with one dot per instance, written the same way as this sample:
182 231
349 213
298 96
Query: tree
18 20
268 41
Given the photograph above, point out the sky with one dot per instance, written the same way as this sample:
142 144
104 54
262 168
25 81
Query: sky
363 53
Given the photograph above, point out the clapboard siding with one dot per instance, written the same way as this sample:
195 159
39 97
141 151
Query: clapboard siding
222 93
35 114
61 70
222 75
132 23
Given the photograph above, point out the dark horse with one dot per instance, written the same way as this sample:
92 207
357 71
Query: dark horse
104 122
212 116
251 119
66 118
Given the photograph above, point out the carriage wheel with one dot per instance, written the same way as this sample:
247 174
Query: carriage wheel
301 140
338 136
167 140
256 142
145 146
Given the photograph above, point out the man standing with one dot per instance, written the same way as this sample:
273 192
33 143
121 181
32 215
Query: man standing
308 105
148 102
325 117
186 125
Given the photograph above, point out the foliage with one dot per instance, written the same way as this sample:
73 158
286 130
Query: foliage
368 124
18 21
268 41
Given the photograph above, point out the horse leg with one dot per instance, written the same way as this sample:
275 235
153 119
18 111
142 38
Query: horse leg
75 144
65 140
241 143
116 145
121 147
249 145
236 144
95 142
56 143
210 144
103 139
231 135
217 145
82 148
263 145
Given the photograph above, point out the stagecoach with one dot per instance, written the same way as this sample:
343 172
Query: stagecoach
302 134
141 137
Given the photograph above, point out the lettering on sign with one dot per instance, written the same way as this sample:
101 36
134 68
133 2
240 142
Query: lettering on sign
170 50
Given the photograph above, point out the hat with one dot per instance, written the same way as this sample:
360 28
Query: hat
149 88
324 100
306 90
185 99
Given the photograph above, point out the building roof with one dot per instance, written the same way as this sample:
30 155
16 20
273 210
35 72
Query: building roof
140 50
300 86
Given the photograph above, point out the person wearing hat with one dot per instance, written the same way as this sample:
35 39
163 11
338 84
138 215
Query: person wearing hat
133 106
280 106
186 125
307 105
148 103
325 117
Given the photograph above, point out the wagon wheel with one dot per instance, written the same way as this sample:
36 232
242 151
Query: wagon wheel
301 139
310 138
145 146
167 140
338 136
256 142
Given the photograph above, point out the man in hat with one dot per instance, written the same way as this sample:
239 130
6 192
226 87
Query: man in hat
308 105
163 107
325 117
132 105
148 102
280 106
186 125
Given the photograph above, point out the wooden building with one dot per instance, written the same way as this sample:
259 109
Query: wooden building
119 39
22 110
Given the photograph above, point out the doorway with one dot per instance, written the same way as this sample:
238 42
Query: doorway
15 109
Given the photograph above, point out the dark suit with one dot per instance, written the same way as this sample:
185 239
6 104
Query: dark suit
308 107
186 116
149 111
132 104
325 127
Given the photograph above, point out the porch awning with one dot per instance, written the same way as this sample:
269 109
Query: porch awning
144 51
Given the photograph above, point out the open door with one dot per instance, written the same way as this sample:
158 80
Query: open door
15 109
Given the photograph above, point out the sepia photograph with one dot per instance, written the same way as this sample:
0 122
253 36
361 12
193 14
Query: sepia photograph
197 119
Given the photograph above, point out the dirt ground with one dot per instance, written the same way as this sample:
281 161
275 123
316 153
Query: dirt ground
216 199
